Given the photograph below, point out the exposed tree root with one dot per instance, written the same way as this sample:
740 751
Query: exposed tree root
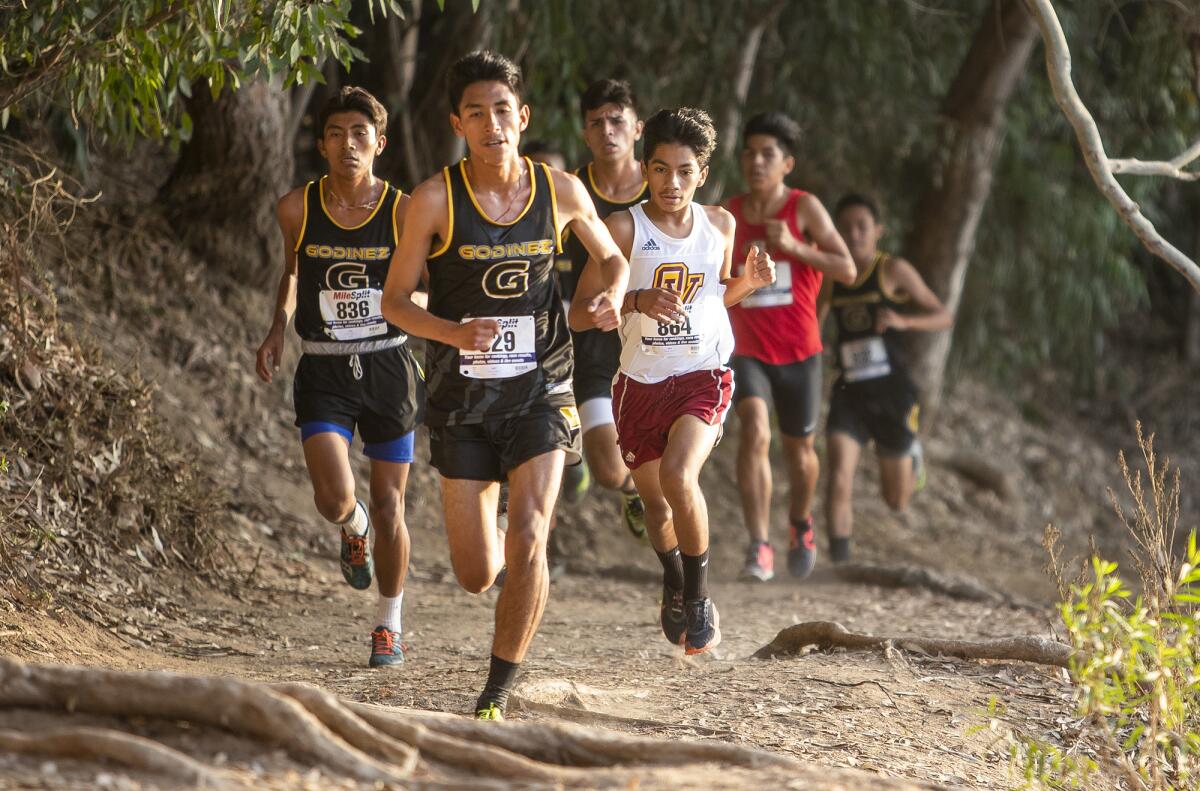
917 577
341 738
586 716
827 634
102 744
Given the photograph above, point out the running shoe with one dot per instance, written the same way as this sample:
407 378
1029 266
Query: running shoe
634 511
760 562
357 566
920 471
672 616
490 712
703 626
802 549
576 482
386 648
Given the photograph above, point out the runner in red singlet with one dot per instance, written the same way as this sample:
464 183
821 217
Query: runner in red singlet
777 356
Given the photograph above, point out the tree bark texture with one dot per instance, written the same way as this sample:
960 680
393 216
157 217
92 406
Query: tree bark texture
948 212
221 196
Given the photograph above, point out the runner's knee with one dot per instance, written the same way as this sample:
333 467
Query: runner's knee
525 544
334 503
679 484
476 576
609 472
756 437
895 497
658 512
387 512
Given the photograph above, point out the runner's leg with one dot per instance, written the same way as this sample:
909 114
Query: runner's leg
844 451
532 488
754 466
327 456
470 512
896 480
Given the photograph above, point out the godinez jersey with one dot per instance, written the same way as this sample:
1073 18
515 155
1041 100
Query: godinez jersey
501 271
778 323
571 267
652 352
342 269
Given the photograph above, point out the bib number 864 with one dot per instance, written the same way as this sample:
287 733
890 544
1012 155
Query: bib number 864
353 310
675 328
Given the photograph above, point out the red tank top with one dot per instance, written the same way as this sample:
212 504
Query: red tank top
777 324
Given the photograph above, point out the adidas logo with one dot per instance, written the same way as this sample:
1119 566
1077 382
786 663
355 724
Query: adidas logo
629 457
651 246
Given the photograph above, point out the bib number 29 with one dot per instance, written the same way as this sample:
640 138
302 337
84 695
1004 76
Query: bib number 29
506 341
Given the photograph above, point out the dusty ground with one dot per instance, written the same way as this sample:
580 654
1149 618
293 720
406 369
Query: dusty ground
281 612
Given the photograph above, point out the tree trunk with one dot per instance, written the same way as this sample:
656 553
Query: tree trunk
729 123
221 196
943 235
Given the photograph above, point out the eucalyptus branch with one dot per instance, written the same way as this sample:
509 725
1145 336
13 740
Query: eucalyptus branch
1174 168
1058 66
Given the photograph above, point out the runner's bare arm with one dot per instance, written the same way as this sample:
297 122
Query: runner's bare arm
827 253
901 278
426 220
823 299
290 215
599 306
759 269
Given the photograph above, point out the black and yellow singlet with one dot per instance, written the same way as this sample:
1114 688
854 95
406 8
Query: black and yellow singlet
503 271
862 353
571 267
342 269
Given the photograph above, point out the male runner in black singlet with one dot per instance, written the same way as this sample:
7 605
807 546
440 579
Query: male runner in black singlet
614 181
356 371
498 356
873 397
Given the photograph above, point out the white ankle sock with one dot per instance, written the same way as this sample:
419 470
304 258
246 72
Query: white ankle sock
387 612
356 525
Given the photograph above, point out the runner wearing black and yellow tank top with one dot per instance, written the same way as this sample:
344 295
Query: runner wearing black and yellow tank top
356 371
873 398
500 271
500 403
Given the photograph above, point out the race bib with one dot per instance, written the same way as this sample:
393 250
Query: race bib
513 352
352 314
777 294
865 358
663 338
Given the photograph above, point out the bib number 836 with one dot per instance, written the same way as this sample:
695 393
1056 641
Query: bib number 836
353 310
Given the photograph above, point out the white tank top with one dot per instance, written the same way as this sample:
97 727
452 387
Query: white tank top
652 352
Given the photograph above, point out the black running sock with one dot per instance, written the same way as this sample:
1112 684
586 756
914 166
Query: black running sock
501 676
695 576
839 549
672 568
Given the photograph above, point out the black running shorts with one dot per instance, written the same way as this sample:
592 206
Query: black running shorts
382 393
488 451
884 410
597 358
794 388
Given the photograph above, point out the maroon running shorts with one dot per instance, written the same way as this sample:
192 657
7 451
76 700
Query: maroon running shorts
645 412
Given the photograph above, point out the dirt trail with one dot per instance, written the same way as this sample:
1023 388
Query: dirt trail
599 658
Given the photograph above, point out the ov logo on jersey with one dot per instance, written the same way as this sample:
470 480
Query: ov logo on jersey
347 275
676 277
506 279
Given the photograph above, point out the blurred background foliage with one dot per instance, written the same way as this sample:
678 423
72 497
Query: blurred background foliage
1053 272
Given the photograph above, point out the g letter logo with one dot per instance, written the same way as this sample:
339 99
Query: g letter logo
506 279
347 275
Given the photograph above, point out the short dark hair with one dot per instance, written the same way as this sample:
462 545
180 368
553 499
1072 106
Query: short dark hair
535 147
607 91
352 99
852 199
686 126
779 126
481 66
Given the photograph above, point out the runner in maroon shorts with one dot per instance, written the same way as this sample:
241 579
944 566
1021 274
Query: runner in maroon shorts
673 389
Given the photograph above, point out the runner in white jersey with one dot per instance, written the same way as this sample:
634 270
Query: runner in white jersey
673 389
